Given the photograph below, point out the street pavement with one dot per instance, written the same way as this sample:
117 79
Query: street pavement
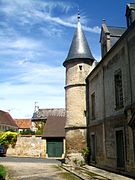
34 169
51 169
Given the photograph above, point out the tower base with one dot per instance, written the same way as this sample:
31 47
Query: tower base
75 143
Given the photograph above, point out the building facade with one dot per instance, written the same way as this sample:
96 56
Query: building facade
7 122
54 136
40 117
111 99
24 125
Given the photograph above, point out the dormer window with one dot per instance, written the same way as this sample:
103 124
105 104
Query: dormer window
130 13
129 20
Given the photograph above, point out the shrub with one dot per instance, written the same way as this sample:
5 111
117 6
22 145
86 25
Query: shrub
86 154
8 138
2 172
27 132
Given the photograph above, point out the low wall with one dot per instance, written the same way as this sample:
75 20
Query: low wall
28 146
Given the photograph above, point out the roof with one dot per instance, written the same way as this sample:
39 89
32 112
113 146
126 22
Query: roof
55 126
44 113
130 28
6 119
79 48
23 123
116 31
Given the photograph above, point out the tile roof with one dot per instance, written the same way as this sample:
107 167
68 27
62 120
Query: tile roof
44 113
55 126
23 123
115 33
6 119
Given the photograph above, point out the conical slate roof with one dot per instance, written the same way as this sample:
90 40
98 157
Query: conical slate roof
79 48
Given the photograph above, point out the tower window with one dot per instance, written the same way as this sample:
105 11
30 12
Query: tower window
80 67
118 89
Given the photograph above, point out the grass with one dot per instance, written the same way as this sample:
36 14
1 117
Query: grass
91 174
68 176
2 172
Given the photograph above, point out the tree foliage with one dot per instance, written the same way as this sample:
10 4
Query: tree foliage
8 138
27 132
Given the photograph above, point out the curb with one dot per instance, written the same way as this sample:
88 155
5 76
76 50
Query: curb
71 171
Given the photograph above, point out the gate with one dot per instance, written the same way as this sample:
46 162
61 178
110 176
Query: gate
55 147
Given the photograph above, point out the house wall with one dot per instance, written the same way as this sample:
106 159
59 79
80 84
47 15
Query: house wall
108 119
131 54
28 146
5 127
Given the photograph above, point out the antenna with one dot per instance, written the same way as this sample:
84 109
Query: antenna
36 107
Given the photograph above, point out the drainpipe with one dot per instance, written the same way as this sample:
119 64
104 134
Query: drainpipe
87 111
130 80
104 115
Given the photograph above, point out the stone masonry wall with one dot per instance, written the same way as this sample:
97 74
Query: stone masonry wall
28 146
76 74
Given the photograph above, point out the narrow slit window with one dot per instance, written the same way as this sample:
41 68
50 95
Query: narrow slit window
80 67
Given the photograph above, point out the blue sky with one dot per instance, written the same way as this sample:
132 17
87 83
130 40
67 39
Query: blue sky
35 37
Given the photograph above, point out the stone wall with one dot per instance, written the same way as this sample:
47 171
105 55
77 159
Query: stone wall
76 74
110 119
28 146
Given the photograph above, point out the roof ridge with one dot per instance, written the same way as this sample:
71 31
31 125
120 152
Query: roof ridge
117 27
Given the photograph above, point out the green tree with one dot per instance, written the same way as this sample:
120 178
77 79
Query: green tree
27 132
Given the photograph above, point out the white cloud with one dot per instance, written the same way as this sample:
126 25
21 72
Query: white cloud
41 83
19 43
31 62
33 12
65 22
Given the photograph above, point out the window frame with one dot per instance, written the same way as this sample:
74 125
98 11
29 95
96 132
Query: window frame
93 106
119 100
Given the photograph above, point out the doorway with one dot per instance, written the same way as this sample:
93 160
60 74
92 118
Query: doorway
120 149
93 147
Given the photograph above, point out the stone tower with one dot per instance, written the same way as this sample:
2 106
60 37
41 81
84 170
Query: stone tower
78 65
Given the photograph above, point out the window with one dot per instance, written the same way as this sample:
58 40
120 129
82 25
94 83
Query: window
118 89
80 67
93 105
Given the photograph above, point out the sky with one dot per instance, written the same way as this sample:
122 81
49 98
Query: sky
35 36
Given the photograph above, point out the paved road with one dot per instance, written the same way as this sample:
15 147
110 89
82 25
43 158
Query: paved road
34 168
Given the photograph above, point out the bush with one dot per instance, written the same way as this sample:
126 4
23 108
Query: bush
86 154
2 172
8 138
27 132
